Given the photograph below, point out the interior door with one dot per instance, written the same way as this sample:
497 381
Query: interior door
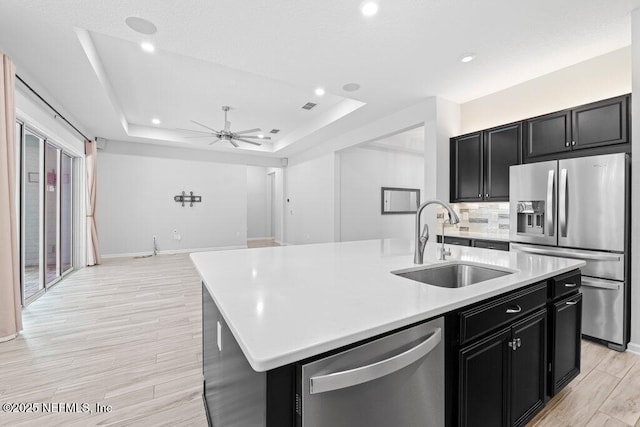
591 202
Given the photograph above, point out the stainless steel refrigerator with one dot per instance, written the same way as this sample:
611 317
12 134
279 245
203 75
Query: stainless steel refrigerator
579 208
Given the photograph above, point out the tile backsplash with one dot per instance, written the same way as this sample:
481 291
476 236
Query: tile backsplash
491 218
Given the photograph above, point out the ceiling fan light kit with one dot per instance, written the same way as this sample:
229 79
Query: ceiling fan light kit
226 134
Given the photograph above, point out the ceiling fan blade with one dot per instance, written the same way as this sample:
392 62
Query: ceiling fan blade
199 136
247 141
214 141
204 126
240 132
267 138
233 143
191 130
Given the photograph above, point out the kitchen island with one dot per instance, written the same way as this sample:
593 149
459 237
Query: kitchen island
279 306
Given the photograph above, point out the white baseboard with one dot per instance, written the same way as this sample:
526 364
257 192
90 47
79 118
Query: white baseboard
8 337
280 243
260 238
174 251
633 348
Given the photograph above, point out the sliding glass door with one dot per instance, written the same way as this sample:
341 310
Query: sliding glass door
47 207
66 207
51 214
32 214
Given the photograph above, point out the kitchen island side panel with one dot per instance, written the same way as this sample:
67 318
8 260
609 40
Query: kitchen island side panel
234 394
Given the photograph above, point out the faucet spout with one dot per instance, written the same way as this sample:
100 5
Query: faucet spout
422 238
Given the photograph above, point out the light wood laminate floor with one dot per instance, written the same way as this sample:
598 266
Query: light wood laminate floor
128 334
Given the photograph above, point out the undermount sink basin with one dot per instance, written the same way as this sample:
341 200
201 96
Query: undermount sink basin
453 275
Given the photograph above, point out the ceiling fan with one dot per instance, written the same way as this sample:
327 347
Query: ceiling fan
226 134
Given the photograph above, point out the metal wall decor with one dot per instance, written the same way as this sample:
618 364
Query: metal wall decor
187 198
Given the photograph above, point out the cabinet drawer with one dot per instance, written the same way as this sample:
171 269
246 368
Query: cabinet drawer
564 284
491 244
487 317
457 241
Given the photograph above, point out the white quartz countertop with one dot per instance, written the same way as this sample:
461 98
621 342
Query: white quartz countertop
503 237
288 303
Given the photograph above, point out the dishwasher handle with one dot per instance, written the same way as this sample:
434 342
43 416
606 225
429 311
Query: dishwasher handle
363 374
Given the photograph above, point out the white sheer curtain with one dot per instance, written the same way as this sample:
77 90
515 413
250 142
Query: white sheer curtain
10 297
93 251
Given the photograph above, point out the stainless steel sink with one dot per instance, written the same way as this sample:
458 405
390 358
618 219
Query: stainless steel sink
454 275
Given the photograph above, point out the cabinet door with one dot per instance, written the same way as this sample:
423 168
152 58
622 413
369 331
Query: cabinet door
483 376
501 150
548 134
600 123
528 367
566 316
466 168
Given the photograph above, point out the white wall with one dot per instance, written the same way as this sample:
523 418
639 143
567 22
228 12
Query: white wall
258 215
310 207
135 202
598 78
363 171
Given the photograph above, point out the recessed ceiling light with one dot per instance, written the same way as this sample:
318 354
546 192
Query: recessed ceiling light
468 57
319 91
351 87
148 47
155 121
369 8
140 25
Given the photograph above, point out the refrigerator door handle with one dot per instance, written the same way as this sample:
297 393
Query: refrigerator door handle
562 209
339 380
550 198
600 284
567 253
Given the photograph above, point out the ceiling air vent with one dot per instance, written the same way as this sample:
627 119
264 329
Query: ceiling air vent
274 131
308 106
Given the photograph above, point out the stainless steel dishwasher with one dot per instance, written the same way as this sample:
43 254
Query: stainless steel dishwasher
397 380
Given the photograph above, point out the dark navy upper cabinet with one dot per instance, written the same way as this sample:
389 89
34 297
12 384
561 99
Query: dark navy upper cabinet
599 127
480 163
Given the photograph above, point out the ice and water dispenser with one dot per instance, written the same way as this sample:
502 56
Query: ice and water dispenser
531 217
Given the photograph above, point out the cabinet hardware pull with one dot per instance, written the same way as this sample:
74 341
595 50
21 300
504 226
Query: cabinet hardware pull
486 195
573 143
570 285
479 195
571 302
512 345
518 342
518 309
566 144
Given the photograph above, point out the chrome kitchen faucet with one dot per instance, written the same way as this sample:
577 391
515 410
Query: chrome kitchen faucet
421 238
